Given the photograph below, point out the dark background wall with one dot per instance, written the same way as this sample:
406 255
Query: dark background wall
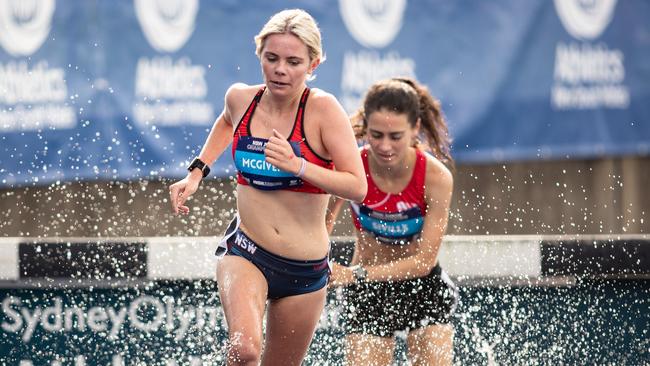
605 196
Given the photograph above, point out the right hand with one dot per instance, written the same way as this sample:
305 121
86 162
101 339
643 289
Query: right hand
279 153
180 191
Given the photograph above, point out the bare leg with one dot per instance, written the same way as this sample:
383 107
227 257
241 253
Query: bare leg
290 325
432 345
243 290
364 349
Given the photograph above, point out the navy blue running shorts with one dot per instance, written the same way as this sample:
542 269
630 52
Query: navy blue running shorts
284 276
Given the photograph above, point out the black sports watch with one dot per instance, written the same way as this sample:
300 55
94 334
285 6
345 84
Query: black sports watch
198 163
360 273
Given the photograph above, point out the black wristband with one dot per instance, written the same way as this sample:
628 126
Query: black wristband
198 163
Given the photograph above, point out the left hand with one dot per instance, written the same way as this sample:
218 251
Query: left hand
341 275
278 152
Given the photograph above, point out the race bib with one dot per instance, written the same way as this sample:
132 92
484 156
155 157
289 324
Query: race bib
251 163
391 227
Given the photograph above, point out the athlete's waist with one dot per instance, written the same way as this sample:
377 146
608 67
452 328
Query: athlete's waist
295 246
288 239
306 209
255 248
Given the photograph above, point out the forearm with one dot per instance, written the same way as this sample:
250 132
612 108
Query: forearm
339 183
217 141
415 266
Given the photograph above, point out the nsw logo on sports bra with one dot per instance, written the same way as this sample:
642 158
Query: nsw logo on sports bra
251 163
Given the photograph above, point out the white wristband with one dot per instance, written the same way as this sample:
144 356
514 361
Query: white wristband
303 166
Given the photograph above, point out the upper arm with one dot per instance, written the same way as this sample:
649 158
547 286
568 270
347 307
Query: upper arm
338 137
439 185
220 135
231 102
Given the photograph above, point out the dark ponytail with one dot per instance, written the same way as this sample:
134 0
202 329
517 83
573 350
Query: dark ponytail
407 96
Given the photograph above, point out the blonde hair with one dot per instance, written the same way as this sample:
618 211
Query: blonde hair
297 22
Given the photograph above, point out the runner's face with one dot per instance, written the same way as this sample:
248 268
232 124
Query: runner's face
389 135
285 63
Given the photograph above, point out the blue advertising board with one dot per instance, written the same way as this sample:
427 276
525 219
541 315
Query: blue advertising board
182 323
121 90
153 301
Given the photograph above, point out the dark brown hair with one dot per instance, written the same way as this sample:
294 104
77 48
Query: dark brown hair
407 96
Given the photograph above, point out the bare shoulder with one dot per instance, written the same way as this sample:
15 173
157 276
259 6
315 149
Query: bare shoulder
438 176
238 97
326 104
238 92
321 96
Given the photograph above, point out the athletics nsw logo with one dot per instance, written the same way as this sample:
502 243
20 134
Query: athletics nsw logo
167 24
24 25
373 23
585 19
588 73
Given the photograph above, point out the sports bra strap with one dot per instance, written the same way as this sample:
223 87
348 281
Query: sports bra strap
258 96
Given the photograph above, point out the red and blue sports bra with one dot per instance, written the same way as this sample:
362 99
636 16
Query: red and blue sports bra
394 219
248 153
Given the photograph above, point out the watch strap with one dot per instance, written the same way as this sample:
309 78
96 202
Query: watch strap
198 163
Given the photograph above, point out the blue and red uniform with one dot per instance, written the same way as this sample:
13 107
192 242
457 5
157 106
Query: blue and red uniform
394 219
381 308
284 276
248 153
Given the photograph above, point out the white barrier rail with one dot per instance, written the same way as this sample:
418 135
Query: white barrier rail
483 260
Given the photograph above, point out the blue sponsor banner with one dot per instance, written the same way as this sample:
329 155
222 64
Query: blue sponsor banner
128 89
182 323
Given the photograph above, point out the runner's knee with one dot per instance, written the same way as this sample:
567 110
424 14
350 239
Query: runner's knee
244 349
